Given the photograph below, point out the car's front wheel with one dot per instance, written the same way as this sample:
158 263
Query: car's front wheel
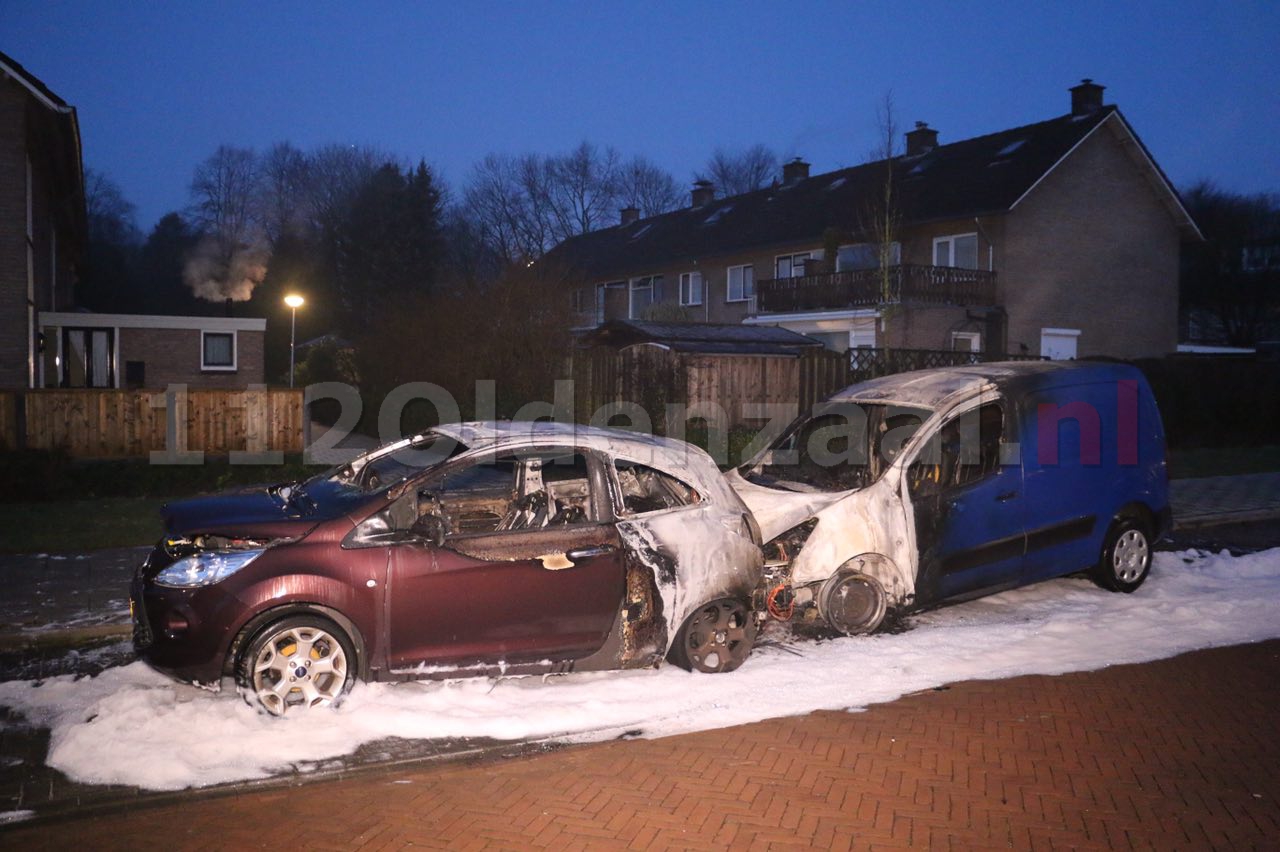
297 663
717 637
1126 556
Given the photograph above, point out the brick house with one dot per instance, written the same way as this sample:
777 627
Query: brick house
44 341
1058 238
42 218
141 350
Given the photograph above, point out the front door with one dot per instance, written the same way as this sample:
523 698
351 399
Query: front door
968 507
527 570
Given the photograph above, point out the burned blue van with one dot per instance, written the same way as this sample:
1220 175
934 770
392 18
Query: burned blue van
914 489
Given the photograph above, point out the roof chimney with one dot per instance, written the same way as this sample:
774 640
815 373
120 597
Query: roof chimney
704 192
796 170
1086 97
922 140
630 213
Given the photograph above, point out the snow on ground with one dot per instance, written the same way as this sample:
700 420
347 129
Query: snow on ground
130 725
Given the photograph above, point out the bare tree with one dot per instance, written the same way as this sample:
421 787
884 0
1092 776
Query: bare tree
647 187
506 202
884 219
231 257
335 173
284 190
582 189
111 216
522 206
1234 274
736 172
224 191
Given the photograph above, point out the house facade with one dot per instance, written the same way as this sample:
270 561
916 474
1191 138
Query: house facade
44 341
1059 238
93 350
42 218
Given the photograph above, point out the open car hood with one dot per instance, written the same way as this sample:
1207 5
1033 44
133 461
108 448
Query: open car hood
777 510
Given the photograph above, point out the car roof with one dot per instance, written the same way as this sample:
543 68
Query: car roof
668 454
935 388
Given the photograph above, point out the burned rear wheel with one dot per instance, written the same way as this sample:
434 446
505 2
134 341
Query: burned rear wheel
715 638
295 664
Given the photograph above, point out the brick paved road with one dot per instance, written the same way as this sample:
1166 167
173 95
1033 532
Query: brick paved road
1174 754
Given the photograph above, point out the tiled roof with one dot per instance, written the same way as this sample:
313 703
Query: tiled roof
973 177
723 338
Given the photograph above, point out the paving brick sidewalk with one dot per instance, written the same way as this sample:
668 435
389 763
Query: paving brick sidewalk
1179 753
1215 499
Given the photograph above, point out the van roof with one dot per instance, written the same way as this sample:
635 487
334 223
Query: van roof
933 388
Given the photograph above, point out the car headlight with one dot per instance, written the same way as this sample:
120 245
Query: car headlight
205 569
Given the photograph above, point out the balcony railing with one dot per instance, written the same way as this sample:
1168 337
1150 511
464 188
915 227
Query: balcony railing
865 288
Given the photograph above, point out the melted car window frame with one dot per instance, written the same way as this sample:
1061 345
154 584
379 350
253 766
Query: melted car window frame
879 432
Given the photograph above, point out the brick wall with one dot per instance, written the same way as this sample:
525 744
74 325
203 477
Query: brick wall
1093 248
13 225
172 356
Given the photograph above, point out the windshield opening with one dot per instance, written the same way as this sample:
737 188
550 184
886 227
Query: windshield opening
839 447
393 464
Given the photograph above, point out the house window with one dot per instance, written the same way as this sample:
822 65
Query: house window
960 250
580 300
691 288
1059 344
217 350
790 265
865 256
966 341
135 374
742 283
88 358
644 292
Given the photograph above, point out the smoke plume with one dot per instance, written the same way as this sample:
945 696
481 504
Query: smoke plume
216 271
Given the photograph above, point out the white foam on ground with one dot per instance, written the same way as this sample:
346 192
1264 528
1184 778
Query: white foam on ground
130 725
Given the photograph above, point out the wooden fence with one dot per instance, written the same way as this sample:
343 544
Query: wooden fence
654 378
105 423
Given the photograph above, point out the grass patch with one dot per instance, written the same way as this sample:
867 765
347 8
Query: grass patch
1223 461
73 525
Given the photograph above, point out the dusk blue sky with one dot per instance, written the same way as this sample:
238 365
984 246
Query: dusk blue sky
159 86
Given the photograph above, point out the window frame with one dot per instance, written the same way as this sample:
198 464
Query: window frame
743 296
915 484
205 366
619 497
791 260
686 289
652 283
950 241
895 251
974 337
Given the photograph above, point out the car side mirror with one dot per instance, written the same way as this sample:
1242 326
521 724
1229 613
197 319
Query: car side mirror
430 527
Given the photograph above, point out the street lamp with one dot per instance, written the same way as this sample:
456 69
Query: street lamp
294 301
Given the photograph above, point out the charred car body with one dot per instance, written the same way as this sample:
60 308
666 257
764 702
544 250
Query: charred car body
471 549
917 488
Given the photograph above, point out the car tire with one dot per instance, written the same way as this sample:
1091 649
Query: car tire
1126 556
716 637
297 663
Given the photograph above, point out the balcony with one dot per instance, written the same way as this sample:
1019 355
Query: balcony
862 288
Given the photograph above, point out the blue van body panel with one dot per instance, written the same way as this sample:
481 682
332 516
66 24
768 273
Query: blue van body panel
1090 447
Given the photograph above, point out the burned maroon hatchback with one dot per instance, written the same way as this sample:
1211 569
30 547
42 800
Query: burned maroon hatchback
473 549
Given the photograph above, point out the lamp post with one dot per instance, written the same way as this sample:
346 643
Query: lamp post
294 301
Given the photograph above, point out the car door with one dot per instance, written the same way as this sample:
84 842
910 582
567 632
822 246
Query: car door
528 568
967 506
